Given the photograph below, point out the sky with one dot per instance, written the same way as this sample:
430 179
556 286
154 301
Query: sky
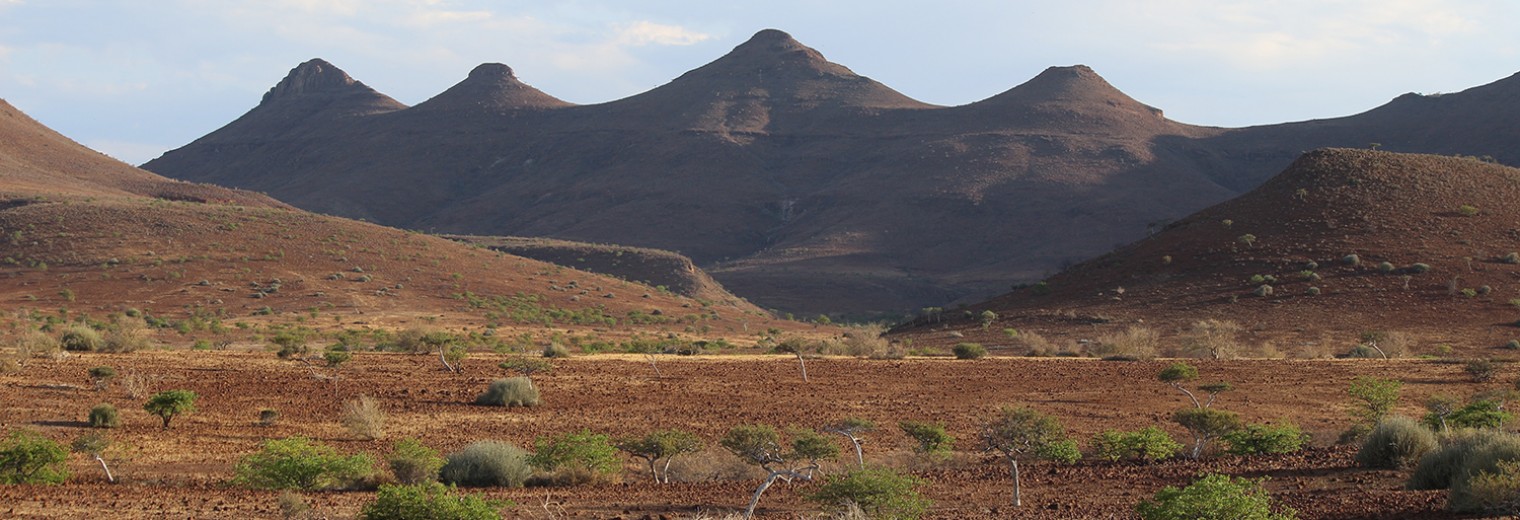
135 78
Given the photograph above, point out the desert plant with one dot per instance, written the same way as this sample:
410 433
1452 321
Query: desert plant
413 462
969 351
1132 343
1149 443
1017 433
26 457
1511 258
1456 455
1205 425
431 501
170 404
877 492
1178 373
986 318
94 445
1375 396
797 347
1215 338
851 429
268 416
1263 290
126 335
1213 497
526 367
1395 442
32 343
1481 370
1385 267
760 445
336 358
931 438
1494 491
300 463
1480 413
1266 439
364 418
104 415
1351 260
556 350
577 456
1468 210
663 444
487 463
81 338
102 376
511 391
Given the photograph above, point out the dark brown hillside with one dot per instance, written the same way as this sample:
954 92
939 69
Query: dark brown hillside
1453 215
801 185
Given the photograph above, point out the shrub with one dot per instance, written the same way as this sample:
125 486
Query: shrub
1149 443
576 457
102 373
413 462
1266 439
268 416
299 463
1263 290
1481 413
1496 491
487 463
1418 268
969 351
431 501
1468 210
512 391
1132 343
81 338
931 437
1377 396
1511 258
32 343
336 358
364 417
1205 425
1396 442
104 415
878 492
127 335
556 350
1351 260
1213 497
26 457
170 404
1438 469
1481 370
1213 338
1385 267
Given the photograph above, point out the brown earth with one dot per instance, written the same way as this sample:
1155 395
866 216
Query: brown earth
799 184
1403 209
183 472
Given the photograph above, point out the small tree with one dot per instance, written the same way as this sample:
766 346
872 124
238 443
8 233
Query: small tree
1440 406
931 437
1213 497
851 429
1023 432
170 404
1206 425
413 462
1376 395
26 457
663 444
987 318
760 445
878 492
94 445
1180 373
795 346
580 453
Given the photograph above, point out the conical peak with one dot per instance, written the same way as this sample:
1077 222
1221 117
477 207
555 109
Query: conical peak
491 86
311 77
1073 81
771 48
492 71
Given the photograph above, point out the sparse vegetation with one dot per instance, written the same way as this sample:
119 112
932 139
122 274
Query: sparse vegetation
364 418
1206 425
412 462
1018 433
1149 443
487 464
26 457
509 392
931 438
170 404
1266 439
878 492
663 444
431 501
760 445
969 351
1396 442
300 463
1213 497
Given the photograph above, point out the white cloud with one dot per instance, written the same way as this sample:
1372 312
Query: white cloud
647 33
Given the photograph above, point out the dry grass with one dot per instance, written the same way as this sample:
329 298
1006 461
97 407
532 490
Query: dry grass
364 418
1135 342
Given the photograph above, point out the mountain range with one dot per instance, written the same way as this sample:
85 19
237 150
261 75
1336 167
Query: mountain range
797 183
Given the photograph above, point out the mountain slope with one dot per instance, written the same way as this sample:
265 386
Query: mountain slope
802 185
1444 225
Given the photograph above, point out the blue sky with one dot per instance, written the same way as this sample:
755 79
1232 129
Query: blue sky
134 78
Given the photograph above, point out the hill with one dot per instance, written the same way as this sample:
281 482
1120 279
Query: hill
1349 241
798 183
85 235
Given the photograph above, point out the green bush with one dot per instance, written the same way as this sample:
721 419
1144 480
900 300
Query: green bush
170 403
512 391
1438 469
81 338
1213 497
1495 492
26 457
1149 443
102 373
1385 267
931 437
1482 370
582 453
413 462
300 463
1482 413
1265 439
104 415
1396 442
878 492
1064 451
430 501
487 463
969 351
1206 425
556 350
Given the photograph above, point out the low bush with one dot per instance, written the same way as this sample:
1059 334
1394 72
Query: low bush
1458 448
511 391
1481 413
969 351
1482 370
127 335
487 463
81 338
364 418
556 350
300 463
1494 492
1131 344
104 415
575 458
878 492
33 343
931 438
1396 442
26 457
1266 439
1213 497
1149 443
413 462
430 501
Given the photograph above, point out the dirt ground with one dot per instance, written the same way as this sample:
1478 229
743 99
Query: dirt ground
183 472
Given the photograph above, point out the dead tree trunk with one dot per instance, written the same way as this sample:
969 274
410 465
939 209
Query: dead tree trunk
103 467
1018 500
443 358
803 363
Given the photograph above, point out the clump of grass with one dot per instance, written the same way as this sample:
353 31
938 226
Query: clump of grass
509 392
364 418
